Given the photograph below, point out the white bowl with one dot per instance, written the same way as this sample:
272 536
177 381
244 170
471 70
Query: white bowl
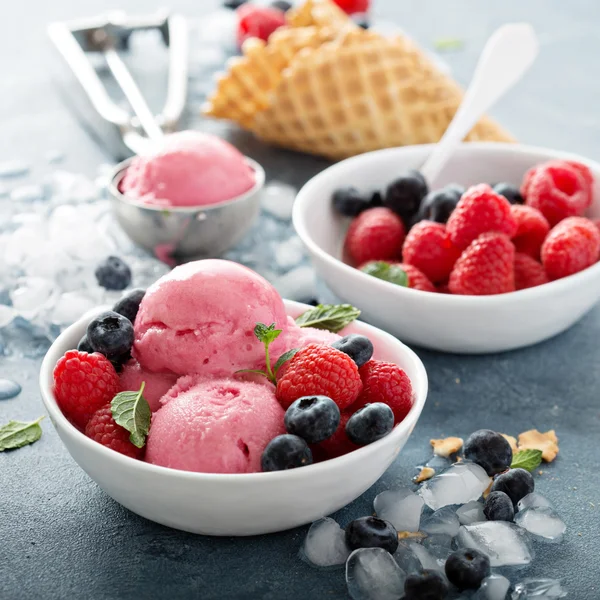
247 504
469 324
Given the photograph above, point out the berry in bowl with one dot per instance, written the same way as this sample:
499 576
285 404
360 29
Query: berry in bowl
209 404
473 265
194 196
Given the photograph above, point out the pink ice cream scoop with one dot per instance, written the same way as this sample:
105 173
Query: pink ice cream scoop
156 384
190 169
214 426
200 318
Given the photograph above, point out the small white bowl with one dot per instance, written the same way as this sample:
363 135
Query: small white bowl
237 505
463 324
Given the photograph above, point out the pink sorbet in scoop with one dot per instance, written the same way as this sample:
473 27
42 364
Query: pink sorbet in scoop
191 169
157 384
200 318
214 426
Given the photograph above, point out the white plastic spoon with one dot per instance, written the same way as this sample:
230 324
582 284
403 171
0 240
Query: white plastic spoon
506 57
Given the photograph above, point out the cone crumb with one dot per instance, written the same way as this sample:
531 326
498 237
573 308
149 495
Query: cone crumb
512 441
546 442
446 446
425 474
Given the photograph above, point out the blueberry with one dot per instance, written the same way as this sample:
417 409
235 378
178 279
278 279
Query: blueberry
358 347
361 21
516 484
439 204
313 418
233 4
376 199
129 304
84 345
110 334
404 195
510 192
370 423
489 450
466 568
281 5
426 585
350 202
113 274
286 452
498 507
372 532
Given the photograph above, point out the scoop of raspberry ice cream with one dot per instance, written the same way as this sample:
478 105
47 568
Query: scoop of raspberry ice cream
200 318
214 426
156 384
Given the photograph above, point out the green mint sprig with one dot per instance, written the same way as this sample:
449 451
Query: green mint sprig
131 411
382 270
332 317
526 459
268 334
16 434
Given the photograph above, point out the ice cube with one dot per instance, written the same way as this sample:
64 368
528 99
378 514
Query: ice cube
439 545
22 338
494 587
72 188
426 558
544 523
406 558
299 284
461 483
277 199
439 463
13 168
32 295
288 254
471 512
28 193
402 508
70 306
533 500
9 389
325 544
443 521
543 589
373 574
54 157
505 544
7 314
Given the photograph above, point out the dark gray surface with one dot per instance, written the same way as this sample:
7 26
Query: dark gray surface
61 537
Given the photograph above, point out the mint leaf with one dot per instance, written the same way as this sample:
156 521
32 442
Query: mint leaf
131 411
526 459
284 358
266 333
387 272
333 317
448 43
16 434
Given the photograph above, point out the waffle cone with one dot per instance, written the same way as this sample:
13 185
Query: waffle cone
318 13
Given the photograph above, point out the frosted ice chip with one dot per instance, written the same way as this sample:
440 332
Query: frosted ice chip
277 199
7 314
402 508
289 254
70 306
31 295
298 284
406 558
443 521
27 193
325 544
461 483
544 523
72 187
506 544
494 587
543 589
13 168
439 463
373 574
426 558
471 512
533 500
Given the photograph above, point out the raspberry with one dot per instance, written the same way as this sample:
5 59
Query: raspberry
416 279
528 272
388 383
428 247
557 190
102 429
257 21
582 169
480 210
319 370
596 222
353 6
486 267
443 288
573 245
376 234
339 443
532 229
83 383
